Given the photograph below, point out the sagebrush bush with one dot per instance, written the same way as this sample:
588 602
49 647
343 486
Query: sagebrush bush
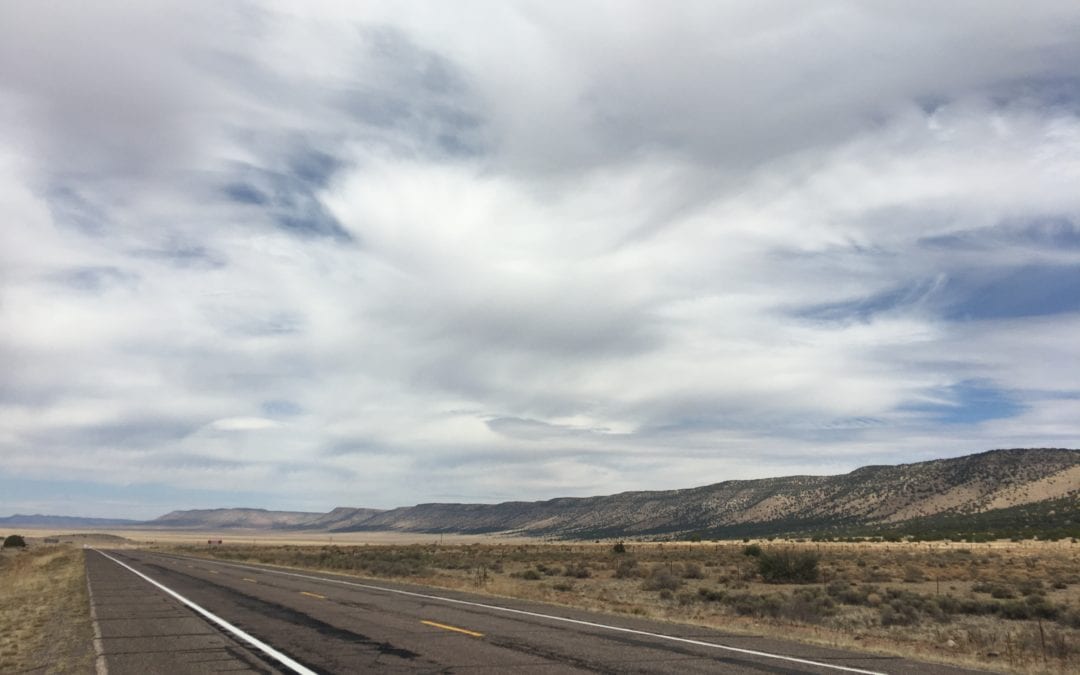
577 571
626 569
661 580
788 566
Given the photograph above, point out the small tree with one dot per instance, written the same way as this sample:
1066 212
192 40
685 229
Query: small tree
14 541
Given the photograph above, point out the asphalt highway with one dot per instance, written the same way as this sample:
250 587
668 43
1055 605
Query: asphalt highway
164 613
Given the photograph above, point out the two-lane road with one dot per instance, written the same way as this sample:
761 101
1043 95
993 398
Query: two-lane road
272 618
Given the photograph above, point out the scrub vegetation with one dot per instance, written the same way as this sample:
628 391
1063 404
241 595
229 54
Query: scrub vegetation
1005 606
44 611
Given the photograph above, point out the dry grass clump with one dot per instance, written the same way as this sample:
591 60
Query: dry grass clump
45 613
1006 607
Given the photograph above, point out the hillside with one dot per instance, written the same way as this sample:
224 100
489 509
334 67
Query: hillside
873 495
338 519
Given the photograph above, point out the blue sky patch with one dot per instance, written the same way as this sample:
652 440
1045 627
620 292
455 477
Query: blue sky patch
968 402
1020 292
289 201
1050 233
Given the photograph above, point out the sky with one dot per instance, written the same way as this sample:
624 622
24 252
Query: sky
299 255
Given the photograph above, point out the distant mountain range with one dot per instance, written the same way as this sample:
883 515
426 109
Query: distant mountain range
881 496
261 519
999 486
38 520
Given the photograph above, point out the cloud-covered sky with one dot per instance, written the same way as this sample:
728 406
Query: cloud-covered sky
301 255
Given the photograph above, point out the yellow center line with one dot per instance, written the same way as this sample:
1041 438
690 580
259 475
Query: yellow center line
213 572
251 580
313 595
453 628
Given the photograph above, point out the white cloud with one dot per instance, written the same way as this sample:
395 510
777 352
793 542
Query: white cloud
244 424
395 255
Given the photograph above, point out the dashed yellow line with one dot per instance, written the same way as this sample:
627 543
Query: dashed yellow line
313 595
453 628
251 580
213 571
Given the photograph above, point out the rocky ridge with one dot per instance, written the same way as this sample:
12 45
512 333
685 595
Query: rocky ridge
871 495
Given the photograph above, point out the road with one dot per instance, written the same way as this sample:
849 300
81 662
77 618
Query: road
165 613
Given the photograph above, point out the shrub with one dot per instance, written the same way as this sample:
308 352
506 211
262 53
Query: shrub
981 587
1071 618
692 571
619 547
913 575
1030 587
892 616
788 567
808 605
685 599
751 604
529 575
14 541
661 580
844 592
1042 608
752 551
626 569
1016 610
709 595
395 568
577 571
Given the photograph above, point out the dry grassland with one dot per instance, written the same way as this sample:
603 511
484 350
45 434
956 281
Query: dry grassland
119 538
44 611
1004 607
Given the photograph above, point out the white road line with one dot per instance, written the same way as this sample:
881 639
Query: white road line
592 624
100 666
262 646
